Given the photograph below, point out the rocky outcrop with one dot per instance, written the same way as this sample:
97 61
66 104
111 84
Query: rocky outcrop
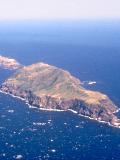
9 63
49 87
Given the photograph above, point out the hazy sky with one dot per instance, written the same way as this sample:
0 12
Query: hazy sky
59 9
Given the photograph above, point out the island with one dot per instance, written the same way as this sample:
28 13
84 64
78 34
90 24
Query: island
9 63
51 88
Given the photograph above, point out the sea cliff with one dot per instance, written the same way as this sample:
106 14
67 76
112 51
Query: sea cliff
49 87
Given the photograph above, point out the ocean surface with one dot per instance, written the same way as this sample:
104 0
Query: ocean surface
91 52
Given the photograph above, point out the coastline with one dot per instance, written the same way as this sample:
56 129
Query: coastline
99 121
26 102
57 110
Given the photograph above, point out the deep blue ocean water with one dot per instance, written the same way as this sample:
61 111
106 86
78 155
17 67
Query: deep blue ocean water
90 51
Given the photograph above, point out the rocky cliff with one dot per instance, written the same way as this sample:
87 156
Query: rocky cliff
49 87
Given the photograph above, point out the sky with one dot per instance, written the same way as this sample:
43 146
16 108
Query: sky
59 9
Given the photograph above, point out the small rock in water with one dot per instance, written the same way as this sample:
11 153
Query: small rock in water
19 157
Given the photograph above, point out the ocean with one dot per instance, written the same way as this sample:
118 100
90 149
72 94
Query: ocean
88 50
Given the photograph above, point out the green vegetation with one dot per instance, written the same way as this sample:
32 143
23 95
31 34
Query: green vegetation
45 80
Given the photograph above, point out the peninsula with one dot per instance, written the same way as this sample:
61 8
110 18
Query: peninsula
9 63
48 87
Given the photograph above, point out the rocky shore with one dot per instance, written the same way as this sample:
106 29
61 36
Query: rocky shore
39 86
102 112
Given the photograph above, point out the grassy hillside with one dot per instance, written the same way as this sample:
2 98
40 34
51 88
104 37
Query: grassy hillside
43 79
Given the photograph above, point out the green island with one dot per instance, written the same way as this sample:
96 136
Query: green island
51 88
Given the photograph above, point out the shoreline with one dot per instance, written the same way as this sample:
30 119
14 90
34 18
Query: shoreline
57 110
30 106
99 121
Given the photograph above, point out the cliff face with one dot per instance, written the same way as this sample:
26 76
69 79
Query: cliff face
49 87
